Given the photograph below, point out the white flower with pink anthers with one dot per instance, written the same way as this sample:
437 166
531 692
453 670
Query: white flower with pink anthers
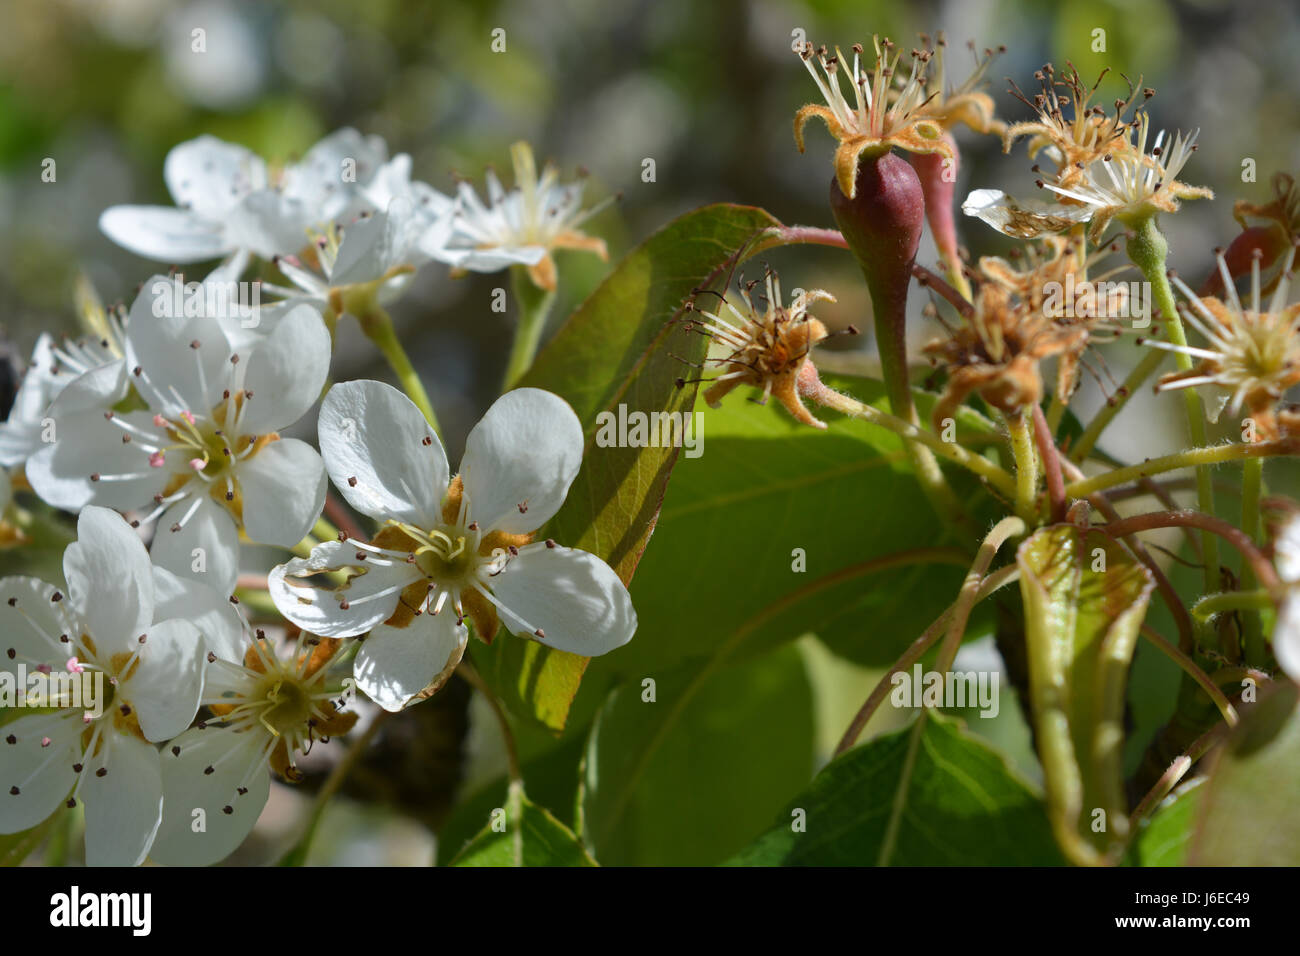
204 455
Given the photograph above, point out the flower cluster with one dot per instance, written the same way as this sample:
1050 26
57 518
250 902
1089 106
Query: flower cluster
1106 166
159 700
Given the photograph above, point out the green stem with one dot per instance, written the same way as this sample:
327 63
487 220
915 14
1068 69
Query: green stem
914 653
1194 672
1136 379
1177 769
1055 412
378 327
1212 604
534 306
847 405
1198 458
961 610
1022 450
1149 252
324 531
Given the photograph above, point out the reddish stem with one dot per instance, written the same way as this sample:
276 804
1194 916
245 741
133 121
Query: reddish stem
1051 457
1264 571
938 176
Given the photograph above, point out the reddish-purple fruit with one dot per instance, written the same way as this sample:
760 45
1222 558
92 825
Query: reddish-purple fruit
882 224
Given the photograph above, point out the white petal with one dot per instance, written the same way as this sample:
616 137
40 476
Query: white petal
1286 637
286 371
381 454
269 223
1022 218
326 178
492 259
99 388
43 774
575 598
283 487
237 761
123 807
1286 550
110 580
165 686
371 246
525 451
394 664
19 440
205 549
372 592
209 610
164 234
209 175
87 444
32 625
161 341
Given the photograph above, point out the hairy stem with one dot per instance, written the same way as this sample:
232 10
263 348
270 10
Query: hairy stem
847 405
970 589
1212 604
1177 770
997 579
1149 252
1199 458
1209 524
1022 451
1051 458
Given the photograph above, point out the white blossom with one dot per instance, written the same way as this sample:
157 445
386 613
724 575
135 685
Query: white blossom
450 549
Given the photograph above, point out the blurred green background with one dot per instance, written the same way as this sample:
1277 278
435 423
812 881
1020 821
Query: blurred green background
706 90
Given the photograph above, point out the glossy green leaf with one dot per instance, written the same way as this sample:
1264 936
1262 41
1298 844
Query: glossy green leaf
1085 597
1249 812
929 795
527 835
769 496
689 777
621 348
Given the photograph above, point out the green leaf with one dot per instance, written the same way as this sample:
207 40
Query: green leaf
1085 597
930 795
528 836
1165 839
688 778
620 348
552 779
1248 811
876 571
